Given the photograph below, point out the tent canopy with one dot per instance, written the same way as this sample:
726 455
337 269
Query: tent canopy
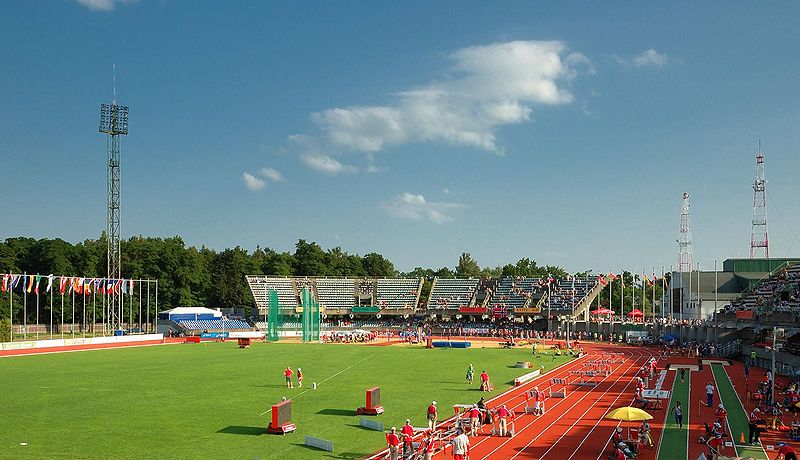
602 311
636 312
190 313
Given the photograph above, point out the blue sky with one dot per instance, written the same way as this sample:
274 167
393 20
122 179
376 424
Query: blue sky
560 131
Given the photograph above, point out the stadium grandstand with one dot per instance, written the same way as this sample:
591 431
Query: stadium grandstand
452 293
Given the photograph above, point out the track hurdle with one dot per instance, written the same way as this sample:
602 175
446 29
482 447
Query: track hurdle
558 388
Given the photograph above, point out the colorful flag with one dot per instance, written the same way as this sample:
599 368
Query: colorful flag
130 288
601 279
15 279
30 283
612 276
62 284
124 286
87 286
5 281
550 278
650 283
36 288
49 282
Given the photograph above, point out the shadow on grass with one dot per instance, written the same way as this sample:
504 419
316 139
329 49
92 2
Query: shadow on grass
244 430
360 427
343 455
336 412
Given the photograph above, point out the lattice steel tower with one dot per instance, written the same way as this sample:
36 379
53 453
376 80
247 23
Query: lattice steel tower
113 122
685 240
759 242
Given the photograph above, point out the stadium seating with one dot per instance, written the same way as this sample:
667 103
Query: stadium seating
398 292
213 324
564 293
336 292
261 285
778 294
514 292
452 292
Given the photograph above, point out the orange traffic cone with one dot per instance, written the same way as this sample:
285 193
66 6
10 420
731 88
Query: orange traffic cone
741 438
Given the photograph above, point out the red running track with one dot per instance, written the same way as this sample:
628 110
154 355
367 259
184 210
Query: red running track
573 427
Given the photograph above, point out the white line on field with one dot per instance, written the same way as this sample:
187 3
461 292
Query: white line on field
332 376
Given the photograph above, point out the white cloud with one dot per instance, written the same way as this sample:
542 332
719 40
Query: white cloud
103 5
647 58
271 174
485 87
252 182
415 207
326 164
650 58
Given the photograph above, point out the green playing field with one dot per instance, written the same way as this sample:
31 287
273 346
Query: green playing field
206 400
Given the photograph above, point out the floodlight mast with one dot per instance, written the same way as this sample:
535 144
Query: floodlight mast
113 123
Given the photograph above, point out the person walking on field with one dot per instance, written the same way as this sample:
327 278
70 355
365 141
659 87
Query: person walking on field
683 374
470 374
644 434
288 374
299 377
710 394
433 416
677 411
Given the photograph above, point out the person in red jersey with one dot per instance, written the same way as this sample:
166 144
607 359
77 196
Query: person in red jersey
288 374
474 420
786 452
408 436
714 446
485 381
503 414
433 416
394 444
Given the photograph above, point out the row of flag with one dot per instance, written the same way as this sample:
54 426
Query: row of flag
602 278
67 284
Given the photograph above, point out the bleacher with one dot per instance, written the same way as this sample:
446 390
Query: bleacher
779 293
564 293
261 285
214 324
398 292
452 292
336 292
514 292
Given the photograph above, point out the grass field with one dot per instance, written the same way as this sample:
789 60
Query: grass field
674 441
202 401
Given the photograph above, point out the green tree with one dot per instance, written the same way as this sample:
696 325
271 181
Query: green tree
309 259
467 266
375 264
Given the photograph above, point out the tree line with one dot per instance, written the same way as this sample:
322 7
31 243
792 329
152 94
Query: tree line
191 276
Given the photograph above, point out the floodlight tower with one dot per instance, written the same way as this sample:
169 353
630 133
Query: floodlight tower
113 123
759 242
685 240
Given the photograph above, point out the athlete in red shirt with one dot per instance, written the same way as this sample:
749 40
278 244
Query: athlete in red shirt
288 373
786 452
394 443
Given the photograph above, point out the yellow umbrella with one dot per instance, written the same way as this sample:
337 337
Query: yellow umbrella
629 414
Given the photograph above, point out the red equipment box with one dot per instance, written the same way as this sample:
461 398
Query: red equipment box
373 406
281 418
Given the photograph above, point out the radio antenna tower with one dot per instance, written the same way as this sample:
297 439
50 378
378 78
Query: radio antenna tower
759 242
114 122
685 240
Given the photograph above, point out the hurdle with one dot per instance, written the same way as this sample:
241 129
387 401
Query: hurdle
560 386
373 406
584 378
